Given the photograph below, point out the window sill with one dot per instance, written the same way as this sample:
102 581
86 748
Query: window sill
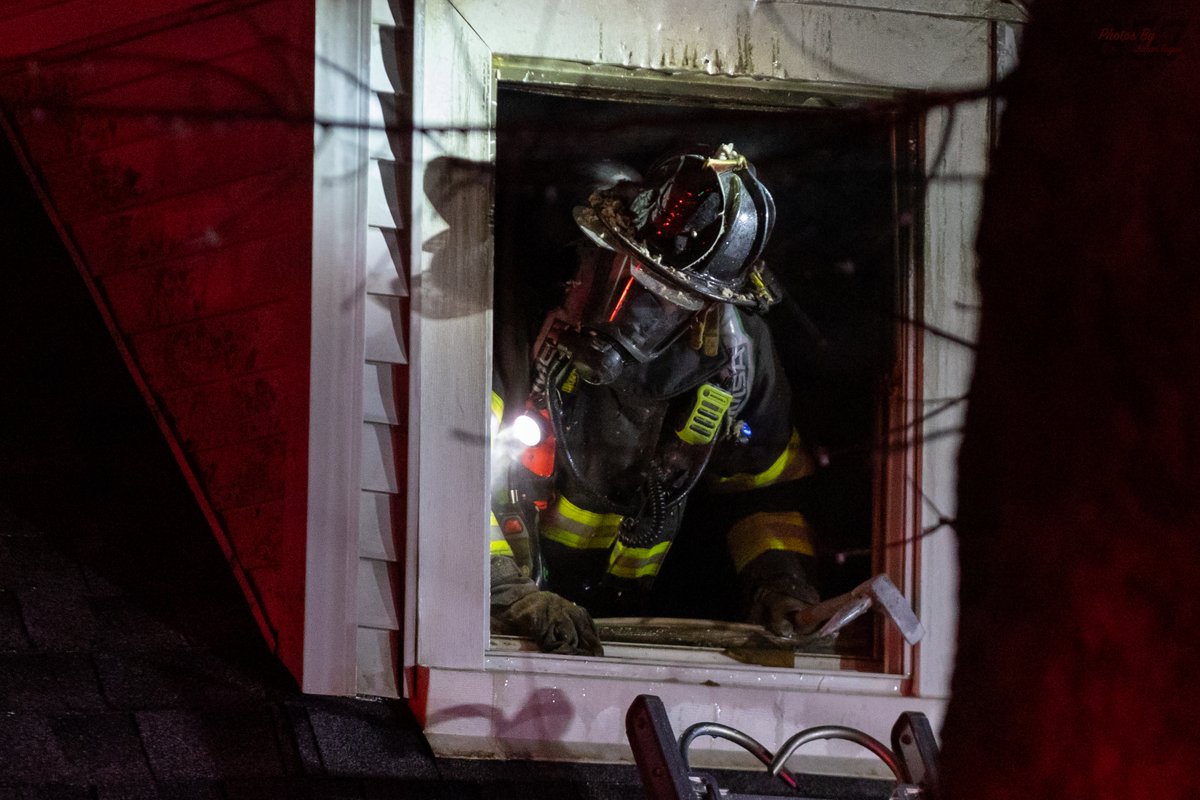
698 666
525 705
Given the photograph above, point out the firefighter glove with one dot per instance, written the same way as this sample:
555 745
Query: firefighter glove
555 623
775 611
779 589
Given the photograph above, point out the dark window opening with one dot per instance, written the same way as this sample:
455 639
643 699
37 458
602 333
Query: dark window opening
837 248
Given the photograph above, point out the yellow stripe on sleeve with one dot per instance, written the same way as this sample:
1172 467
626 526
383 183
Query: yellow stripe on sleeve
793 463
578 528
497 544
637 562
766 530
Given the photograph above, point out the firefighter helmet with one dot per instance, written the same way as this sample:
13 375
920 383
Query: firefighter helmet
699 221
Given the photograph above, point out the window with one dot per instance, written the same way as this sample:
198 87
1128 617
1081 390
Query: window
842 249
476 65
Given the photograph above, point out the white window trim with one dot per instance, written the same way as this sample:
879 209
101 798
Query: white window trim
533 705
340 108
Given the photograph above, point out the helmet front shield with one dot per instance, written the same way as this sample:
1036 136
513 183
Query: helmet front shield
697 222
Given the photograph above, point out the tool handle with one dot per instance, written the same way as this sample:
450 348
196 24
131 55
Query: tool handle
809 619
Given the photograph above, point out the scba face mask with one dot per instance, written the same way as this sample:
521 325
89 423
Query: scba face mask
625 314
639 312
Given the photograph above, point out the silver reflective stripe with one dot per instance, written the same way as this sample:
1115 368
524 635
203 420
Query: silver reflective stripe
741 358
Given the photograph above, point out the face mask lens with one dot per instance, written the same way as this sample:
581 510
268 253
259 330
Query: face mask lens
642 314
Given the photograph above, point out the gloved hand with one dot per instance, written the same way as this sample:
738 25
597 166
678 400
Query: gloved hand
778 590
519 608
774 610
554 622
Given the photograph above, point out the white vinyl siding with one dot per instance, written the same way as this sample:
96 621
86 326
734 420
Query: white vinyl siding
385 352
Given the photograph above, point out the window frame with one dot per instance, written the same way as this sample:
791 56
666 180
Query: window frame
896 465
473 700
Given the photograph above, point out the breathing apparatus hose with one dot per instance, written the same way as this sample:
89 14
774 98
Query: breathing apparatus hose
632 533
655 495
697 471
555 376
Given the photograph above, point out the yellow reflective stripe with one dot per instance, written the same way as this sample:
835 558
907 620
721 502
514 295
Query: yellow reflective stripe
767 530
793 463
497 544
497 406
590 519
637 562
578 528
496 537
577 542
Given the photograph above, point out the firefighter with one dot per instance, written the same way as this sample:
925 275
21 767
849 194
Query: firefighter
655 378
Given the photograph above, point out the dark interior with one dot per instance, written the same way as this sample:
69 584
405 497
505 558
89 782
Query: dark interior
832 174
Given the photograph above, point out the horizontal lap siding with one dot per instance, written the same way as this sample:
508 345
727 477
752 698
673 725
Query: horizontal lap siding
64 24
386 266
385 329
177 154
241 276
257 532
183 40
160 104
379 516
379 457
385 376
194 223
133 174
219 348
223 413
381 396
